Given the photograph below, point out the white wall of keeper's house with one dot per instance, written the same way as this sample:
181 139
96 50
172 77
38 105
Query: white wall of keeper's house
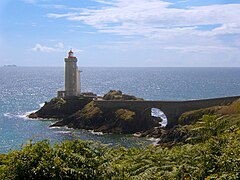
78 82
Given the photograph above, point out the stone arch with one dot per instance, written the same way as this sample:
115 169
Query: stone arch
156 114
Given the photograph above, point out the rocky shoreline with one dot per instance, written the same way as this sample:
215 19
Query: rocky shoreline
82 113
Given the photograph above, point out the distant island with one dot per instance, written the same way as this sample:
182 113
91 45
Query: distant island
10 65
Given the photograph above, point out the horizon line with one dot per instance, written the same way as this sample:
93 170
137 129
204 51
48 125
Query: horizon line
15 66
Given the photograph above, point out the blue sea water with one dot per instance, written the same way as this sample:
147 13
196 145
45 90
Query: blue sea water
24 89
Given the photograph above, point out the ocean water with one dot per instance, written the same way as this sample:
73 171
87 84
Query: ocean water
25 89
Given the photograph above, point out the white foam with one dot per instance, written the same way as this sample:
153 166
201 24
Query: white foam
41 105
62 132
154 140
22 116
55 127
137 134
9 115
96 133
155 112
163 123
25 115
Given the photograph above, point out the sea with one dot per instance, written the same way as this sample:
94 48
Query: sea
25 89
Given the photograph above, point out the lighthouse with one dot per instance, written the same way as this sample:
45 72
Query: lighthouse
72 77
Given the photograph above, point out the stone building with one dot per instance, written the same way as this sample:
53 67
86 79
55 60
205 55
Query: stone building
72 77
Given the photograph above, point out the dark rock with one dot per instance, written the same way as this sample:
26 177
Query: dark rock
82 113
157 132
176 134
87 94
193 116
118 95
110 121
33 116
113 95
60 108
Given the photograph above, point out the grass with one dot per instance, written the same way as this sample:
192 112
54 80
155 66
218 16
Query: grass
125 114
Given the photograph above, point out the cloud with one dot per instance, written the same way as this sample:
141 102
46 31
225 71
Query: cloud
104 2
55 16
158 30
224 29
197 49
156 18
59 47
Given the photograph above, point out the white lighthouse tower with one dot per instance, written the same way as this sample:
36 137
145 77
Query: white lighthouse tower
72 77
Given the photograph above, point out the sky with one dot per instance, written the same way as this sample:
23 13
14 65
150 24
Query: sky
121 33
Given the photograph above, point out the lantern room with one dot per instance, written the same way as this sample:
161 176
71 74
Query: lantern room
70 54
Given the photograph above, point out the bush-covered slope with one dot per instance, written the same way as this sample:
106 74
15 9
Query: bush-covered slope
204 147
211 151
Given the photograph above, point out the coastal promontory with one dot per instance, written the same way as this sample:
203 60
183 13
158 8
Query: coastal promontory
82 113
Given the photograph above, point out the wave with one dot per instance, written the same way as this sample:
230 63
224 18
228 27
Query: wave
137 134
154 140
96 133
163 123
41 105
25 115
62 132
155 112
55 127
9 115
22 115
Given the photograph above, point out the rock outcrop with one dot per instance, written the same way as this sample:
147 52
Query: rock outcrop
82 113
189 121
118 95
59 108
112 121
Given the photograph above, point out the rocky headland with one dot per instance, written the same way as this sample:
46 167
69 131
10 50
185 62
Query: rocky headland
82 113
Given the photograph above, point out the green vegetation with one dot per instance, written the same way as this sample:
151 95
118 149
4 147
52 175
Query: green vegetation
125 114
233 108
193 116
108 120
90 111
211 151
206 145
118 95
69 160
59 108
